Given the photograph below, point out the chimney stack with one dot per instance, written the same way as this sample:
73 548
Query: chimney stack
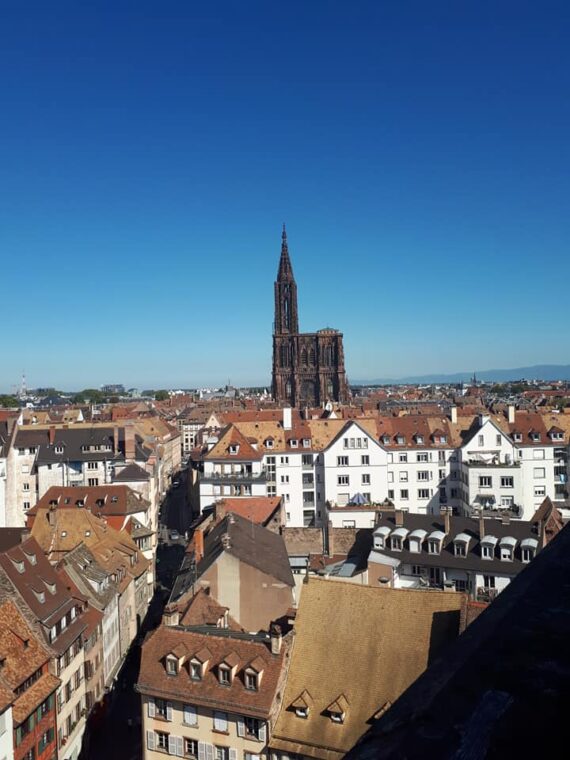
511 413
276 638
129 441
446 520
399 518
453 414
287 418
51 515
51 434
115 439
481 524
198 545
226 541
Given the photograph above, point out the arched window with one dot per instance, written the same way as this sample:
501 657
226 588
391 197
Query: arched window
330 389
312 357
288 389
304 357
284 355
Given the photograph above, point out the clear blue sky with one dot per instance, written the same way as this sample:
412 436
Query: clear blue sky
150 151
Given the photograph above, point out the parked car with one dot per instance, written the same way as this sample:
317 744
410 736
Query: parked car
174 535
175 484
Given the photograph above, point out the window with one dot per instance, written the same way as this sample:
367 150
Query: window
539 472
527 555
161 740
481 440
485 481
283 460
460 549
507 482
284 478
269 443
349 523
404 495
487 551
26 486
45 740
171 666
539 491
403 458
343 480
461 585
93 481
191 747
224 675
252 727
391 493
58 449
233 448
423 493
161 708
538 454
251 681
416 570
26 505
293 443
365 479
365 460
423 475
507 501
301 712
423 457
221 753
92 465
498 439
342 461
189 715
396 543
220 721
404 476
489 581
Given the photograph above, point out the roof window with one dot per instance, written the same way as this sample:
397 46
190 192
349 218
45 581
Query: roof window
507 548
233 448
268 443
461 544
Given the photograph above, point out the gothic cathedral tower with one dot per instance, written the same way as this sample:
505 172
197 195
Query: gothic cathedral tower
308 368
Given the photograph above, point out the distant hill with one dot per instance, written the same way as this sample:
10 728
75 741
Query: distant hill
538 372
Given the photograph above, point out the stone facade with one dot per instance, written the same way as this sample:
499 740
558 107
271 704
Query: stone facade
308 368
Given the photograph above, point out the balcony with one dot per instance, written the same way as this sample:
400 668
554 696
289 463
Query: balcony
485 594
478 463
240 477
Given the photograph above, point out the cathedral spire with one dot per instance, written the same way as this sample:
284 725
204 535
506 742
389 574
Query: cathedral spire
285 268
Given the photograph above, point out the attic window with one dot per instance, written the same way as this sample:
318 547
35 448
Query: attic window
293 443
58 449
419 439
400 439
19 565
535 436
443 439
40 596
51 587
171 666
195 670
461 544
233 448
307 443
224 675
302 712
63 533
385 439
32 559
251 680
114 499
87 533
269 443
517 437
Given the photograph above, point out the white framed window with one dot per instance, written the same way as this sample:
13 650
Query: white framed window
539 491
190 747
220 721
423 457
538 453
416 570
487 551
539 472
433 547
402 457
365 479
507 481
481 440
404 476
342 461
423 475
488 581
221 753
507 501
423 493
284 478
343 480
190 715
404 494
171 666
390 477
460 548
283 460
485 481
498 439
365 460
527 555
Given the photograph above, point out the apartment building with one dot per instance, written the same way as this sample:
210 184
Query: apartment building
29 729
210 694
477 556
32 583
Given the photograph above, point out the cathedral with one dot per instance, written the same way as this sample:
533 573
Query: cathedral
308 368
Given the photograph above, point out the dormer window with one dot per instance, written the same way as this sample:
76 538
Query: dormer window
443 439
534 436
380 536
233 448
251 680
397 539
171 666
385 440
58 449
461 544
224 675
269 443
419 439
40 596
293 443
528 549
337 709
302 712
488 544
400 439
195 670
517 437
435 541
32 559
307 443
415 540
507 548
19 565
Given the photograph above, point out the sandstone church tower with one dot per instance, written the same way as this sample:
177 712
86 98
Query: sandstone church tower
308 368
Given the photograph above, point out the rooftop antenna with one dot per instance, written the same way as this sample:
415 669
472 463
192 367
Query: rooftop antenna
23 388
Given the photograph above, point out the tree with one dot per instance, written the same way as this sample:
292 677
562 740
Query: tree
162 395
10 402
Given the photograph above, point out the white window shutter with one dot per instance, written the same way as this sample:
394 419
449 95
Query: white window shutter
201 751
209 752
262 731
233 754
169 711
171 744
151 707
240 726
190 715
150 739
179 746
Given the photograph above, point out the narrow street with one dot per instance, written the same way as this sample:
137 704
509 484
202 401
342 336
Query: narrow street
114 732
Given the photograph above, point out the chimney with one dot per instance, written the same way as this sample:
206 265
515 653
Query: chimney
129 441
171 615
287 418
198 545
399 514
446 519
276 638
51 516
481 524
115 439
51 434
511 413
453 414
505 518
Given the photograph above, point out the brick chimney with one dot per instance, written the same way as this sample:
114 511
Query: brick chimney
115 439
399 514
287 418
453 414
129 441
51 435
511 413
276 638
198 545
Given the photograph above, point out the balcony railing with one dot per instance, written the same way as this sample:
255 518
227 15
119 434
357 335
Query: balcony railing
228 477
476 463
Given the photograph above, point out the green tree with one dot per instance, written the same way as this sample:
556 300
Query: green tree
162 395
9 402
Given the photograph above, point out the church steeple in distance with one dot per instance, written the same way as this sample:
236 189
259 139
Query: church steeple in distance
286 316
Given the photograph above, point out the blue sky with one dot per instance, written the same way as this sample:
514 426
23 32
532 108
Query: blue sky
149 153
